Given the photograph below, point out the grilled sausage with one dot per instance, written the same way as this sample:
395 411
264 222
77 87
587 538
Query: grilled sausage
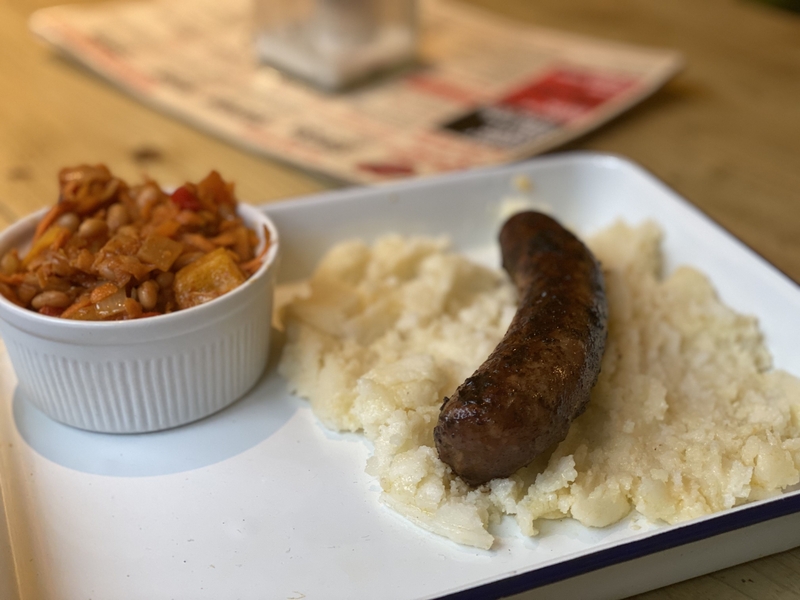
522 400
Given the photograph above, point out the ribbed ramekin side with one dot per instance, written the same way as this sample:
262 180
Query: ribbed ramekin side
143 394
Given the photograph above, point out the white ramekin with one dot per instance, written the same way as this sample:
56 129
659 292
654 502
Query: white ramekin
145 374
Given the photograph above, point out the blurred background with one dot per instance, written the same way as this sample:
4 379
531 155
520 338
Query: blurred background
724 133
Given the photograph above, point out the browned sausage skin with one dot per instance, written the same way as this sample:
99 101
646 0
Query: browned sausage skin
537 381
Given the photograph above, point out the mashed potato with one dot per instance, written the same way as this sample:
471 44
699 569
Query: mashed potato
686 418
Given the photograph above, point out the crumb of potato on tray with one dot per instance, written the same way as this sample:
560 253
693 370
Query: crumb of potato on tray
686 419
110 251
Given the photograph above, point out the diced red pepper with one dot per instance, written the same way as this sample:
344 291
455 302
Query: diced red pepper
185 199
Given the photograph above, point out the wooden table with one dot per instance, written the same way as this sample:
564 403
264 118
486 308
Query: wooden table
725 133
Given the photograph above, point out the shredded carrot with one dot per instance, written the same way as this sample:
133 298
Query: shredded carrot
51 217
79 304
15 279
61 239
102 292
251 266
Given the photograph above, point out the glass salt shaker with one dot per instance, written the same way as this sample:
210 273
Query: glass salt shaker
335 43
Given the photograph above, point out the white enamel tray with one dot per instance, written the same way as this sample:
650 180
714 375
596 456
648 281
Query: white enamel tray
260 502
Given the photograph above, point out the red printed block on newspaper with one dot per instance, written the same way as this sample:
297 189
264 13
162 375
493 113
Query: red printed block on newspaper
564 94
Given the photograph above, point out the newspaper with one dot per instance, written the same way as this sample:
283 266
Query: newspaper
485 89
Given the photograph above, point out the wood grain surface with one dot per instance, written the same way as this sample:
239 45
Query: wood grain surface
725 133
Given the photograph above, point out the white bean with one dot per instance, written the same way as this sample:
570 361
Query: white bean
69 221
165 279
9 263
51 298
148 294
92 227
117 216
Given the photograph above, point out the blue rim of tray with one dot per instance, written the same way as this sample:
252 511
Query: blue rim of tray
658 542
